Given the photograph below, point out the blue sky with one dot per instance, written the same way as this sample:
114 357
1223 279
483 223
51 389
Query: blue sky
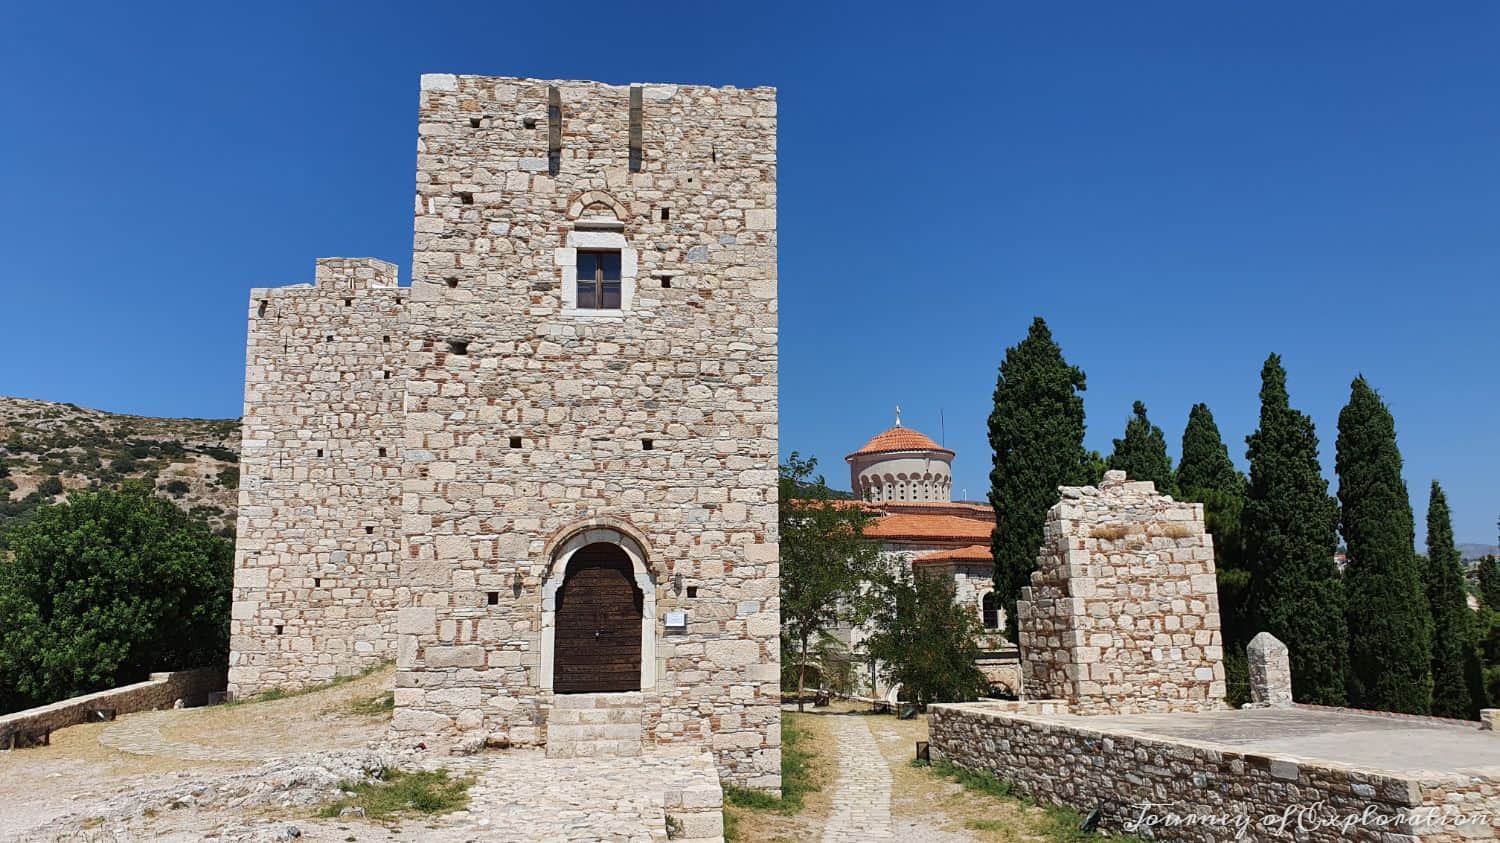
1178 188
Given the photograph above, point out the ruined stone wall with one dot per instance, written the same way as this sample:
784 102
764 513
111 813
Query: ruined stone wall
1122 614
1071 764
319 515
527 418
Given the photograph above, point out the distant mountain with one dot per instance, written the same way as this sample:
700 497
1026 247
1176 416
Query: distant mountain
1478 551
48 450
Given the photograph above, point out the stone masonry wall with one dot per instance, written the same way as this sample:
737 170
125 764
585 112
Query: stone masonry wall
1071 764
527 418
319 517
161 690
1122 614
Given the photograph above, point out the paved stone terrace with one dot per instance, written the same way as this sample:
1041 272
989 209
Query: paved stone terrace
1402 746
525 796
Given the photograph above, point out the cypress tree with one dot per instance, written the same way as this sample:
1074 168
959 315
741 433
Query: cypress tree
1389 658
1207 475
1036 432
1290 529
1489 581
1142 454
1451 646
1205 461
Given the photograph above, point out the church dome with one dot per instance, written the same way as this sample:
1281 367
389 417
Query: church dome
901 464
900 438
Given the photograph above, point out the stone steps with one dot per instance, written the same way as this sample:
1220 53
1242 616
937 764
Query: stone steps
594 726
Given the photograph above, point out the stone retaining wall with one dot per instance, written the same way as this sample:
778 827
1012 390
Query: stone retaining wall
162 690
1087 769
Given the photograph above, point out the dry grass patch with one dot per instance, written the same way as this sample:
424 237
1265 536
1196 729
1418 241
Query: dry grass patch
809 760
1110 532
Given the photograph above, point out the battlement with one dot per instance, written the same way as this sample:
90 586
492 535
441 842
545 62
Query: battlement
336 281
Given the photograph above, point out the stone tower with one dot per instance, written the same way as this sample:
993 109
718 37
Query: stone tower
591 388
580 551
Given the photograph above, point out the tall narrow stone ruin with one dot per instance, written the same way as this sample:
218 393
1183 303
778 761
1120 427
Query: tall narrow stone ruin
1122 614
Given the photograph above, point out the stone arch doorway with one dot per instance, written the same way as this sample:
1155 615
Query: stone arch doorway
578 545
597 642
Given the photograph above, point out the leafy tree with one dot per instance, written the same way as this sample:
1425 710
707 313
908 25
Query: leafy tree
1290 531
1036 433
827 658
1451 645
825 560
1142 454
1390 659
105 588
926 641
1205 464
1489 581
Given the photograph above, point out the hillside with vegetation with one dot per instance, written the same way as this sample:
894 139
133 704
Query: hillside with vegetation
48 450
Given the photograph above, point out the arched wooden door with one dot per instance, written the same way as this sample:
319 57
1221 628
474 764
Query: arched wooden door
598 635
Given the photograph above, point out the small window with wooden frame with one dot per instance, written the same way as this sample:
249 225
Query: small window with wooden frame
599 280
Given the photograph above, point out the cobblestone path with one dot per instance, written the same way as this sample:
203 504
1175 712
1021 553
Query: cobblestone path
862 793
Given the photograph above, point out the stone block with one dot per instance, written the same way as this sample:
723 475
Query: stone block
471 655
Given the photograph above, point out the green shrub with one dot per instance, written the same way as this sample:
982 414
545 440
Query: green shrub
106 588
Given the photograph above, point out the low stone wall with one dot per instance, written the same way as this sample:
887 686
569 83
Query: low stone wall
1119 773
162 690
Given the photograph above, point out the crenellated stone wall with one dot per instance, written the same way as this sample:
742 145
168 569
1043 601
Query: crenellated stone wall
1122 614
318 534
533 424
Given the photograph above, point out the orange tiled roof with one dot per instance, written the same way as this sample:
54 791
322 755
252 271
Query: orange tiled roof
950 528
900 439
970 553
962 509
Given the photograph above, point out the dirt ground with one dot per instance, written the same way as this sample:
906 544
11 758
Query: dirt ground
41 784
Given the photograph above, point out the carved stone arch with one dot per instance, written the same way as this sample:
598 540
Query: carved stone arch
575 535
559 551
595 198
